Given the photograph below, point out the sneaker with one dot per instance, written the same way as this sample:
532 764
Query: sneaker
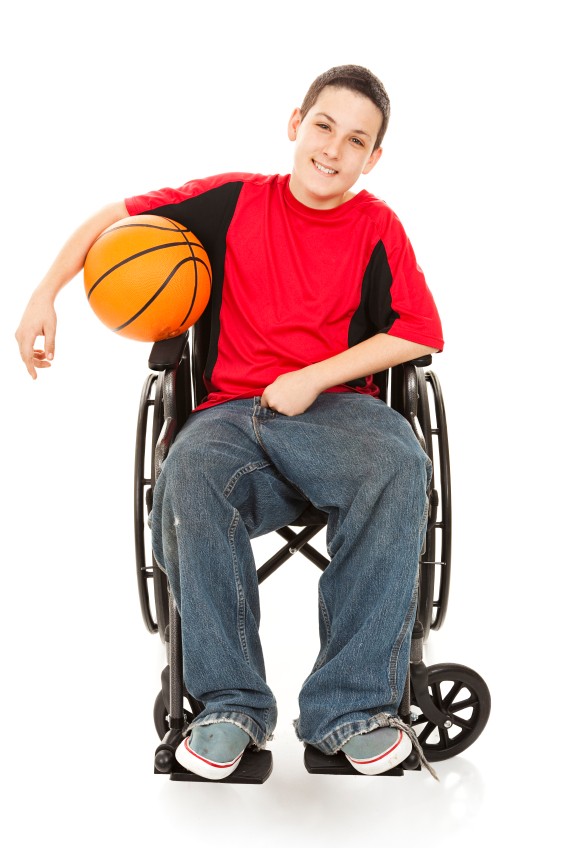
378 751
213 751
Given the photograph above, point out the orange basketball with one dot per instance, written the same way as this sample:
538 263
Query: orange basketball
147 278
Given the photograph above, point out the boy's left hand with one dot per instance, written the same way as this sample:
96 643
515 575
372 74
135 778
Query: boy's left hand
291 393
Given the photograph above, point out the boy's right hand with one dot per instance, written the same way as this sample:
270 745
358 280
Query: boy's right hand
39 319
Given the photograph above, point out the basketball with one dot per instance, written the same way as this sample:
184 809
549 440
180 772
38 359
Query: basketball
147 278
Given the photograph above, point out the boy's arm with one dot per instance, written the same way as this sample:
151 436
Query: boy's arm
294 392
39 318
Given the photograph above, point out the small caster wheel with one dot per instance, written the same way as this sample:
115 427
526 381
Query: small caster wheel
412 762
164 761
463 695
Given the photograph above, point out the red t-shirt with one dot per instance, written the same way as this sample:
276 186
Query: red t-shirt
293 285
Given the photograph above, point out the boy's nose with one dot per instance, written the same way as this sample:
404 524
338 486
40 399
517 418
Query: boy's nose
332 150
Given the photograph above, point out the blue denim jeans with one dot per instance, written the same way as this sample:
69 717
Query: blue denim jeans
239 470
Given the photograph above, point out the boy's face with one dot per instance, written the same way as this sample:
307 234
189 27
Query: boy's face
334 145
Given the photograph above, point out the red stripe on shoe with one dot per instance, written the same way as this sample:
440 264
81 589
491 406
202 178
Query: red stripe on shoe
381 756
211 762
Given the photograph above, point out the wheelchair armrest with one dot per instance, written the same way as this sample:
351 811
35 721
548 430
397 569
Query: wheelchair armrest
167 353
421 361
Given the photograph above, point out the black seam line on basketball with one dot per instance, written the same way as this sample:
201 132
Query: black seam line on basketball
129 259
195 288
195 283
147 226
192 244
155 295
136 224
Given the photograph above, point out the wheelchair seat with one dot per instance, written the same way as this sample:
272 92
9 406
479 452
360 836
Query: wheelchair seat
447 705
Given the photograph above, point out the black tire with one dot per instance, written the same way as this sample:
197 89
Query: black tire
154 602
444 490
435 562
427 564
160 586
463 694
160 716
142 490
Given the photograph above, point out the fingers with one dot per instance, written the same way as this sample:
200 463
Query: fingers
38 359
41 359
31 369
49 345
36 323
27 352
34 357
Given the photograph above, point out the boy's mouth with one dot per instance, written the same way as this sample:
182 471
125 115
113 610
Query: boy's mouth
323 169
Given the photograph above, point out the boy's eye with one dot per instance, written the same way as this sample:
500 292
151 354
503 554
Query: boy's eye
358 141
323 126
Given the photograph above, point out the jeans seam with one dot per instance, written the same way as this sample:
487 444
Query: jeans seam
255 425
326 619
423 526
239 589
256 421
246 469
394 659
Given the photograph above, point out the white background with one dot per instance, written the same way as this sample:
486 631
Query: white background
108 99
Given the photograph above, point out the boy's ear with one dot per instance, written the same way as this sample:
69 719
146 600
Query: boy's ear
373 160
294 122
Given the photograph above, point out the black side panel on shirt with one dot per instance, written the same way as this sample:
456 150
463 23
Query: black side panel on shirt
209 216
375 313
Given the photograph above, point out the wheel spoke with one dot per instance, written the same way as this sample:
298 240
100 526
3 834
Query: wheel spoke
436 695
465 724
452 694
424 735
464 705
444 738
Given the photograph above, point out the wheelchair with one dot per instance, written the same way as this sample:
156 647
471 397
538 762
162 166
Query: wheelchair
447 705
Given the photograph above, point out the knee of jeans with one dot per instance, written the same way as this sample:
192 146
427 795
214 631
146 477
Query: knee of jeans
408 463
184 472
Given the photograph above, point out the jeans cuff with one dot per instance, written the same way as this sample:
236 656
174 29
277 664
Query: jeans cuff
332 743
258 736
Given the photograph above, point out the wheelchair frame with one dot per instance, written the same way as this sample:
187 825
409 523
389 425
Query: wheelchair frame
447 704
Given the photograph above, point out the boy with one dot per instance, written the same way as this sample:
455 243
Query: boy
315 289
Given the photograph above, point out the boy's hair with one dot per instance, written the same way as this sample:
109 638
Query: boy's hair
357 79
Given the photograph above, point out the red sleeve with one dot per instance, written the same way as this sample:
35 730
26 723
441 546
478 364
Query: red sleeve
166 196
411 300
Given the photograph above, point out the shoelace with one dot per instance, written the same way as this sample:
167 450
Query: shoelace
395 721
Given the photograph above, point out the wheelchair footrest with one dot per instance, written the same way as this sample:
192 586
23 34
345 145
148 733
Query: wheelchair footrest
318 763
255 767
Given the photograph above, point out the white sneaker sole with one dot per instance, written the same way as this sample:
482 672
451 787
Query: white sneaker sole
203 767
390 758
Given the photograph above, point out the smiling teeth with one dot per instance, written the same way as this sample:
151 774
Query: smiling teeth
323 169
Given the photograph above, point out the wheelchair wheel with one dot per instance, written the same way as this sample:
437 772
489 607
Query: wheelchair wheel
434 578
427 565
150 403
443 525
463 694
160 586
